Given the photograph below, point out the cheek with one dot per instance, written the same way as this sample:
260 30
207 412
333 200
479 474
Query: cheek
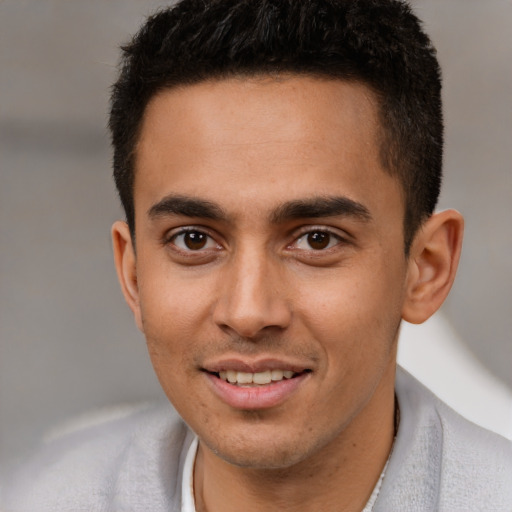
355 307
174 311
169 333
172 304
170 337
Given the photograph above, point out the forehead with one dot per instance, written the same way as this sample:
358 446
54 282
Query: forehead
257 136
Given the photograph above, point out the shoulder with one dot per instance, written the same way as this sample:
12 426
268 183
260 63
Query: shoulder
101 462
476 464
439 455
426 409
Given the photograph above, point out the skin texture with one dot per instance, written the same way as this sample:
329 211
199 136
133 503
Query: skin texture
249 165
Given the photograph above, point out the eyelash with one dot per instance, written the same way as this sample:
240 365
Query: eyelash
171 238
311 230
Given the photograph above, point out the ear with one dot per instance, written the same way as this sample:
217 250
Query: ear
433 262
126 267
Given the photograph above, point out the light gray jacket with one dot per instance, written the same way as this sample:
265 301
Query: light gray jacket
440 462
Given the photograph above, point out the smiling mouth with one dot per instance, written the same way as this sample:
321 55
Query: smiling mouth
246 379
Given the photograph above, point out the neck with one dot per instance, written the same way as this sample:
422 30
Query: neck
340 476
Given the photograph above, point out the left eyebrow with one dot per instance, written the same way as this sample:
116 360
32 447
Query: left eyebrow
325 206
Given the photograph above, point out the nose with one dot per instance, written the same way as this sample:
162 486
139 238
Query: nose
252 296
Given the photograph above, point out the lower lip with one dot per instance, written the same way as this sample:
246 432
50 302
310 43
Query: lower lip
255 397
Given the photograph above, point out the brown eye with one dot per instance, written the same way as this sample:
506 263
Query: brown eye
192 240
318 240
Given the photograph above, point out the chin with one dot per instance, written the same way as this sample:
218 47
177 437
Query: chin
262 452
258 458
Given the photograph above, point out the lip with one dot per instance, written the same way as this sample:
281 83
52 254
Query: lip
255 366
256 397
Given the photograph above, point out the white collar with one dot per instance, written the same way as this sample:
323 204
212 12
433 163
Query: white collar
187 483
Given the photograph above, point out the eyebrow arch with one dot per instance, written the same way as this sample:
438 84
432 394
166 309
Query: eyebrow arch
325 206
186 207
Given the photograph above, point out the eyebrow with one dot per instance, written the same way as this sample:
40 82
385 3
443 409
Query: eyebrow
316 207
325 206
186 207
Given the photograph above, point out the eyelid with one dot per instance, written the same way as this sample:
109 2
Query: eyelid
173 233
341 235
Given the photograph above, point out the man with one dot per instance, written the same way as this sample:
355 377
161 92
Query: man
279 164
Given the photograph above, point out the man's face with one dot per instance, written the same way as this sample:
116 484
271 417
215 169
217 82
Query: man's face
270 253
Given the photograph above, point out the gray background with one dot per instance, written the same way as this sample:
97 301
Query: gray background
67 340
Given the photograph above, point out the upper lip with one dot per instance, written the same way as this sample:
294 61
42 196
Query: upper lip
254 366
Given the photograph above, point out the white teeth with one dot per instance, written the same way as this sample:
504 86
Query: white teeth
277 374
261 378
244 378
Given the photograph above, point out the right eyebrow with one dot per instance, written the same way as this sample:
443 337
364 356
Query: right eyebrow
187 207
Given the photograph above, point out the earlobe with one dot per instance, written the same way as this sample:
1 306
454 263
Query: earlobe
126 267
433 262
